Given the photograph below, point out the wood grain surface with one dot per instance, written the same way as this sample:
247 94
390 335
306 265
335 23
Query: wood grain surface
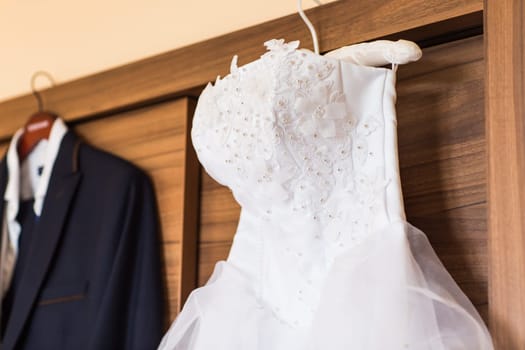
218 221
184 71
505 106
3 147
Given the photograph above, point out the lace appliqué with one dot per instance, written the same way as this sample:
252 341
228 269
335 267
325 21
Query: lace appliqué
327 144
287 133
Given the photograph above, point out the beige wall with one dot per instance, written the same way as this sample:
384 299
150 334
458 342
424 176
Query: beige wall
71 39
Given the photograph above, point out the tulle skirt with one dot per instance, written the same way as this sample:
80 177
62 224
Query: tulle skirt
391 292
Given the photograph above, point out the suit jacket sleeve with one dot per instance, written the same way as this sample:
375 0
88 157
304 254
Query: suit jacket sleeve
132 310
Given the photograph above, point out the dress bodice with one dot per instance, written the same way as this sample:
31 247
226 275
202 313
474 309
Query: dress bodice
300 136
307 145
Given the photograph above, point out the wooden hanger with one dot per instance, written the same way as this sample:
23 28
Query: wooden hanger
38 127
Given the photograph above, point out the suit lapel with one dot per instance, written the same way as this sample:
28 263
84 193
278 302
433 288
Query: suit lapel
62 188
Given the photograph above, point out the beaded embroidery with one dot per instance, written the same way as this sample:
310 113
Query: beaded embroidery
279 132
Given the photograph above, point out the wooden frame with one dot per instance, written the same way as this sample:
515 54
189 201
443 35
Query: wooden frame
505 130
183 72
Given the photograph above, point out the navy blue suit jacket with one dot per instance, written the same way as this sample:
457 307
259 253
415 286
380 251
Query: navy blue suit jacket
93 276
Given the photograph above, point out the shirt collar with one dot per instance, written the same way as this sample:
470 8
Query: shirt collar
12 193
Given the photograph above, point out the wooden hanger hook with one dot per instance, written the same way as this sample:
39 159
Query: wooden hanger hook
36 93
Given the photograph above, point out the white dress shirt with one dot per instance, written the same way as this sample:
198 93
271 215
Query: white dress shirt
25 181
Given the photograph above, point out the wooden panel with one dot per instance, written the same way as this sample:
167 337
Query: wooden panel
180 71
505 106
218 222
457 237
209 254
3 147
442 158
156 139
220 212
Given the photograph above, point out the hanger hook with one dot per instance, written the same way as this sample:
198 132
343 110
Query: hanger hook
35 92
309 24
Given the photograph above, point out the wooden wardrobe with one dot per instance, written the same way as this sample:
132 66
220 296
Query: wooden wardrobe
461 124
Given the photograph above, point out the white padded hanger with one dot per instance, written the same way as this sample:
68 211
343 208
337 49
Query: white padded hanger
378 53
375 53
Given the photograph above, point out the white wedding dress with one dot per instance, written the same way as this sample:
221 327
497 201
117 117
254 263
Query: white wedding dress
323 258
